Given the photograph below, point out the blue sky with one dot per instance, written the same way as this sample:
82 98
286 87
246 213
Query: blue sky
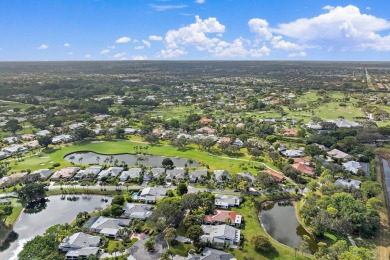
194 29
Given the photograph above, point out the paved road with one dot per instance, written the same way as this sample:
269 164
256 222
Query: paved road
138 249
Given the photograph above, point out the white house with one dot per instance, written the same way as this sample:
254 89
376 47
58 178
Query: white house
137 211
220 235
226 201
77 241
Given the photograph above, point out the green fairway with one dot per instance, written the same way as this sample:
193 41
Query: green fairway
46 160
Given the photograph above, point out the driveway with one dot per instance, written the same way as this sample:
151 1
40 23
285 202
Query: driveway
139 253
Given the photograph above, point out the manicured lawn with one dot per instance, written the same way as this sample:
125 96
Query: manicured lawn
181 249
111 147
15 212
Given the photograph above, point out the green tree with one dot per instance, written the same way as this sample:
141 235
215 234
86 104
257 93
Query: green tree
181 189
170 235
32 191
116 210
149 245
45 141
13 126
167 163
261 243
194 233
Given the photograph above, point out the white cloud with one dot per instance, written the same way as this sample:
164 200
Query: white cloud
119 55
88 56
155 38
238 49
368 8
343 28
43 47
200 1
195 34
147 43
260 28
166 7
170 53
66 44
106 51
279 43
123 39
139 57
297 54
139 47
328 7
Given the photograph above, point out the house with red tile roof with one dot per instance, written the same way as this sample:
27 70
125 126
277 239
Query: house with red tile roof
277 176
290 132
223 217
205 121
303 168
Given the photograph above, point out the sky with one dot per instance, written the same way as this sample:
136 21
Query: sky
54 30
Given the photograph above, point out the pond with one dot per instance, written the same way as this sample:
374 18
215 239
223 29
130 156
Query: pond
88 157
280 222
57 211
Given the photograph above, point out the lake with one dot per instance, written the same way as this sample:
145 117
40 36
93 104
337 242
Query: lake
88 157
57 211
280 222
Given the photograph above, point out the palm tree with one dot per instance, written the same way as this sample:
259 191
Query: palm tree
136 149
71 159
146 149
111 159
116 162
140 149
98 159
81 160
106 160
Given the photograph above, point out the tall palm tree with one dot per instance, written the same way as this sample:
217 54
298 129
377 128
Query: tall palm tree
81 160
98 159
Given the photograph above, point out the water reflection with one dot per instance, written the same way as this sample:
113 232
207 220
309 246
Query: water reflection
87 157
56 210
281 223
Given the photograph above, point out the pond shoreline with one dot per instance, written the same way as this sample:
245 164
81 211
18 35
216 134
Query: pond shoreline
294 205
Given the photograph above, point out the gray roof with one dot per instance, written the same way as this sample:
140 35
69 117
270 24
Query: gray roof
44 173
219 173
86 251
113 223
247 175
211 254
348 183
80 240
226 200
141 211
344 123
212 232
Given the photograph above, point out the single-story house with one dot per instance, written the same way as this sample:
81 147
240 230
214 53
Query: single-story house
206 130
92 171
176 173
221 176
247 175
223 217
303 168
335 153
3 155
27 137
148 195
43 133
226 201
11 140
352 166
16 148
156 172
220 235
62 138
109 226
292 153
137 211
348 183
197 175
290 132
344 123
77 241
65 173
275 175
112 171
44 173
211 254
129 130
130 174
82 253
238 142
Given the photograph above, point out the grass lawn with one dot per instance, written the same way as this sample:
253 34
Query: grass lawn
10 220
253 227
47 159
181 249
